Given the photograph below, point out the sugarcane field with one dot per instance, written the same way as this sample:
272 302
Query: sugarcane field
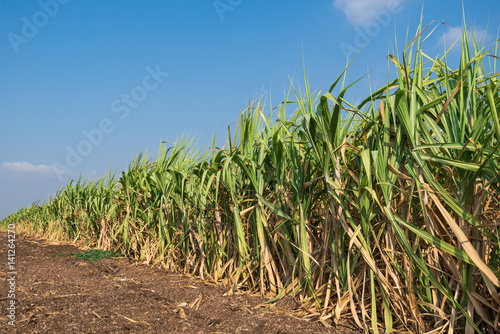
322 211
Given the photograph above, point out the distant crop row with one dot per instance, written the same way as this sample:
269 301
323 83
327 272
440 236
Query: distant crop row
387 211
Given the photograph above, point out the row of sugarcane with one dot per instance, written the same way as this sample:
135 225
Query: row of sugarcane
386 211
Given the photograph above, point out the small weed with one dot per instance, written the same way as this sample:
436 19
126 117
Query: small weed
91 255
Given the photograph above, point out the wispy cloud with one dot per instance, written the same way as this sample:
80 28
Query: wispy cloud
359 12
454 34
31 169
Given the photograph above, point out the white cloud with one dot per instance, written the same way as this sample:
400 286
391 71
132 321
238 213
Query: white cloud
454 34
360 12
30 169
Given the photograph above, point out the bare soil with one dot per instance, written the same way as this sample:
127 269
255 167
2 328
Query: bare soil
68 295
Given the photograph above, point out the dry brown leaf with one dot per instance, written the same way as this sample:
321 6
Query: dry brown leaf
182 314
464 241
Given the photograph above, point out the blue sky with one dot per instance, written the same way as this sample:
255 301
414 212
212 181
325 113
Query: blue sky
86 85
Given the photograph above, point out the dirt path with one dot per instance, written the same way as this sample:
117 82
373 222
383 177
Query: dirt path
68 295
